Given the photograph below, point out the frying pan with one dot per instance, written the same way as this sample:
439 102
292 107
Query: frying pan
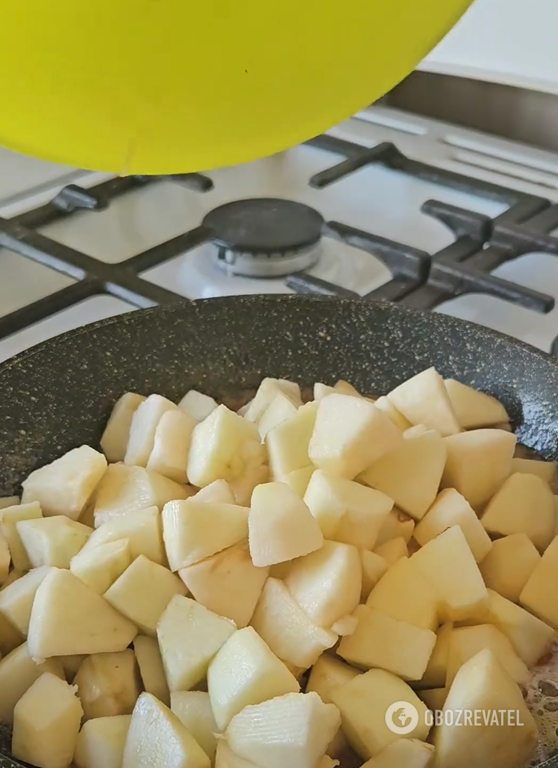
59 394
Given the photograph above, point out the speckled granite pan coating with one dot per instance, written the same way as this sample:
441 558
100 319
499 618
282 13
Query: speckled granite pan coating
59 394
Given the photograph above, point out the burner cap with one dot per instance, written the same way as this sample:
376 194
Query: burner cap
265 237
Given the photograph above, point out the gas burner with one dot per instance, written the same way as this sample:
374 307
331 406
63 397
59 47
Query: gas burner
265 237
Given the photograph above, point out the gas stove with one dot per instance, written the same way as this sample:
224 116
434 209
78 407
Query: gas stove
386 206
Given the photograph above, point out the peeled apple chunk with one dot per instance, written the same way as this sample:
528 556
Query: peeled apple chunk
193 709
143 592
292 730
404 593
219 491
5 560
152 672
245 672
524 504
16 600
451 508
157 739
449 565
395 526
385 405
280 409
350 433
405 753
107 684
142 529
227 583
46 723
197 405
69 618
195 530
117 431
287 444
8 501
364 702
435 674
327 674
18 672
65 486
423 399
466 642
145 420
298 480
477 463
280 526
327 583
374 567
10 637
411 473
189 637
268 390
101 566
509 564
393 551
286 628
101 742
539 594
52 540
9 518
171 445
347 511
482 684
225 757
474 409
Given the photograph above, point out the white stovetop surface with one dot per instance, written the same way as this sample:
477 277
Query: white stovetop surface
374 199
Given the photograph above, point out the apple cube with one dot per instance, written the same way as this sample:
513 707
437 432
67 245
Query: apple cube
397 525
52 540
142 530
145 420
225 757
64 486
451 508
392 551
511 510
69 618
509 564
436 672
373 568
434 698
477 463
449 565
411 473
171 445
423 399
46 723
404 593
18 672
143 592
322 390
193 709
280 525
227 583
195 530
294 730
466 642
538 594
114 441
100 566
385 405
9 518
10 637
268 390
286 628
101 742
197 405
279 409
405 753
186 663
546 470
298 480
364 702
219 492
482 684
157 739
474 409
108 684
152 671
350 433
288 443
16 601
9 501
71 665
328 674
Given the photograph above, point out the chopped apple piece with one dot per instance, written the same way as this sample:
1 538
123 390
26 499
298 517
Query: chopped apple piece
538 595
509 564
322 390
46 723
108 684
511 510
145 420
285 627
373 568
466 642
434 698
186 663
227 447
482 684
193 709
328 674
436 672
397 525
405 753
68 618
393 551
195 530
227 583
280 409
344 388
327 583
13 575
364 703
151 668
451 508
114 441
10 517
157 739
292 730
70 665
268 390
143 592
101 742
280 570
218 492
16 600
385 643
423 399
288 443
350 433
10 637
474 409
245 672
546 470
477 463
197 405
404 593
52 540
347 511
9 501
142 530
298 480
100 566
5 560
65 486
225 757
411 473
130 489
171 445
18 672
385 405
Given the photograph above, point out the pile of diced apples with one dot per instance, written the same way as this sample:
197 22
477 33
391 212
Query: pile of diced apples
256 589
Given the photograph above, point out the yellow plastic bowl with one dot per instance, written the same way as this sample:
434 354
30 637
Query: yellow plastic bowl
168 86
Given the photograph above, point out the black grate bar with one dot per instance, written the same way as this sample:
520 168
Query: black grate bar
140 293
168 250
308 284
396 289
460 221
335 146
